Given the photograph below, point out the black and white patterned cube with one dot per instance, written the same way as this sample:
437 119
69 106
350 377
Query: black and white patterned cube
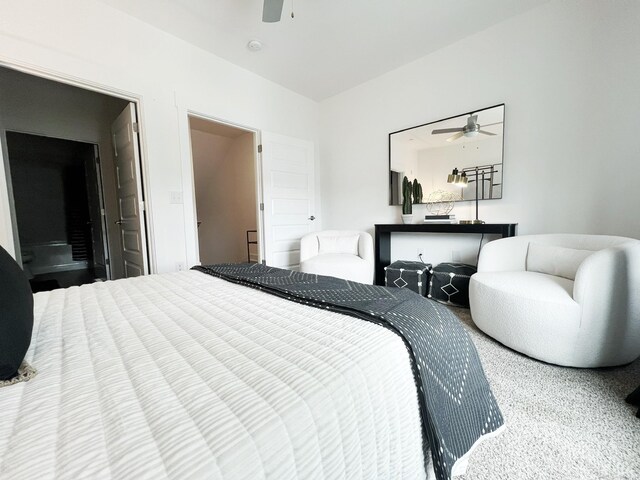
405 274
449 283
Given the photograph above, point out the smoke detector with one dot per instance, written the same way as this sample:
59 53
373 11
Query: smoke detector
254 45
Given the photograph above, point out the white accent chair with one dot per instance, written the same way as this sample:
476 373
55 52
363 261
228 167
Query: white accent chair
566 299
346 254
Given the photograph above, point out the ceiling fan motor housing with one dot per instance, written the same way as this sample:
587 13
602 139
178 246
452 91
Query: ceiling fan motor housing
471 128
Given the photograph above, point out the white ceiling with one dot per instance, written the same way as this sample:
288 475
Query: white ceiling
330 45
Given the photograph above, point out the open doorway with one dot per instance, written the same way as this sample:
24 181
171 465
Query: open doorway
224 171
38 116
58 204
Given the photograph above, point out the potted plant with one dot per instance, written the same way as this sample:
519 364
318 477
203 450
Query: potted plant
407 207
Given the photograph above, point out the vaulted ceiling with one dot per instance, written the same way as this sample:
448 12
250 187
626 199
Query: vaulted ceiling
330 45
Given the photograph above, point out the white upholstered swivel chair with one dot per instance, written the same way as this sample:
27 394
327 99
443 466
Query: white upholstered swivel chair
567 299
344 254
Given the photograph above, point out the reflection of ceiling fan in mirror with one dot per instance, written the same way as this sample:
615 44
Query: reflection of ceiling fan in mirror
272 10
471 129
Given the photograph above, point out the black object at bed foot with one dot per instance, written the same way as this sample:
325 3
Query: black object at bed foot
634 399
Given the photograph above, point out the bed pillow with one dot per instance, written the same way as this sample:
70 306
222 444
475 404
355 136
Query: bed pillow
553 260
16 316
338 244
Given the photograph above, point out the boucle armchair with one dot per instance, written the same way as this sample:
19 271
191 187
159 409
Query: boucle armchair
567 299
344 254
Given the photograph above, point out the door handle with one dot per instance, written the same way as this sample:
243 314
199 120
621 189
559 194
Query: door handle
118 222
312 218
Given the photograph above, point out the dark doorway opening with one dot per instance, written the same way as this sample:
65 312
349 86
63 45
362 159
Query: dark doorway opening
59 209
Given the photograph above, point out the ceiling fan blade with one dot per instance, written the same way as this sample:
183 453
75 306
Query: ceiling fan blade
446 130
490 124
272 11
486 133
455 137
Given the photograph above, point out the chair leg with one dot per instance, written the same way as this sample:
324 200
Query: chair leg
634 399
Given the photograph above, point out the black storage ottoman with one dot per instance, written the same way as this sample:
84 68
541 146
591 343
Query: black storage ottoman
449 283
405 274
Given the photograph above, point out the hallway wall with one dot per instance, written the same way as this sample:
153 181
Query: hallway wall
225 194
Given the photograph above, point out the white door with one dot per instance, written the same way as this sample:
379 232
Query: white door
97 217
129 193
288 189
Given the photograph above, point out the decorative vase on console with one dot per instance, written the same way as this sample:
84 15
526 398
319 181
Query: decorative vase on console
407 207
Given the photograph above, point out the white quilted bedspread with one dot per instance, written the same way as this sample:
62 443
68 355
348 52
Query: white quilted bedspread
187 376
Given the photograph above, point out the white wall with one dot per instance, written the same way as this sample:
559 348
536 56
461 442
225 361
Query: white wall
87 40
569 74
225 195
406 159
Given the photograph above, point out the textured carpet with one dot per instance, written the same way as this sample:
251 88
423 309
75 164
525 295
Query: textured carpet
561 423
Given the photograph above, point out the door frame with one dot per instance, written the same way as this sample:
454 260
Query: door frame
257 161
144 161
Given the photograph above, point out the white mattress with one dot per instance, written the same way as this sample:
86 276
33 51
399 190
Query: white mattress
187 376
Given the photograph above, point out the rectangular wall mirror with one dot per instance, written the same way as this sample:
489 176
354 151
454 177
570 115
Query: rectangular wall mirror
471 142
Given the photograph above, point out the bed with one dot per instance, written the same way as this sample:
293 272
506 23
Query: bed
186 375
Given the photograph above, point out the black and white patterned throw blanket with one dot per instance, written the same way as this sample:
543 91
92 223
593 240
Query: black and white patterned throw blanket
456 402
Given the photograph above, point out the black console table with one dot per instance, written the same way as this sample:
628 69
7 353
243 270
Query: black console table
384 231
